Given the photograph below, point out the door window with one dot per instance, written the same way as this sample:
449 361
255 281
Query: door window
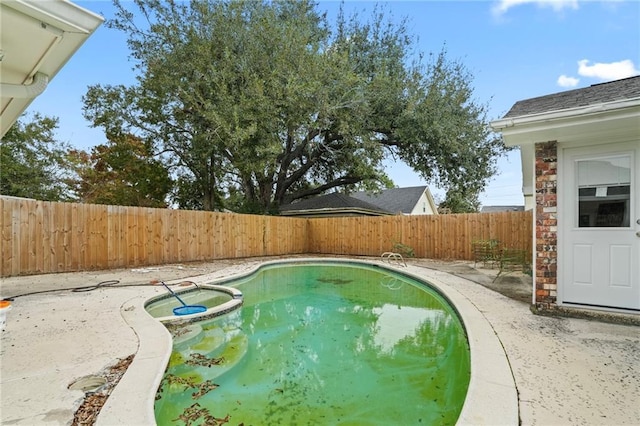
604 192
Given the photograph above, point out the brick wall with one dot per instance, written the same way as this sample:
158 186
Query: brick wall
546 226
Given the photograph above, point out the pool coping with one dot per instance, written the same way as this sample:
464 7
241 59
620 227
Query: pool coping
491 397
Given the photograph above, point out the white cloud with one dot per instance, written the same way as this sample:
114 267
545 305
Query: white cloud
502 6
607 72
565 81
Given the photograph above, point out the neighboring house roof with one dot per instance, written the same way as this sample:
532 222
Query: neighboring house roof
396 200
495 209
333 204
388 201
37 39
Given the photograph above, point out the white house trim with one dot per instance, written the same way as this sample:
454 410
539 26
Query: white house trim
609 122
586 244
37 40
573 124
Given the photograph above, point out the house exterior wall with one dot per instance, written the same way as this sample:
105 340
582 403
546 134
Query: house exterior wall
546 224
423 206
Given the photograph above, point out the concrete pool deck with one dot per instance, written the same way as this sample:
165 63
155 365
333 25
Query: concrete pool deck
566 371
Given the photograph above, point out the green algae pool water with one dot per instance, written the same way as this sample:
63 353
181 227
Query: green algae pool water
321 344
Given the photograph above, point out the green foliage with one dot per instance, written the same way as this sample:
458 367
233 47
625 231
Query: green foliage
122 172
461 201
492 244
284 107
33 164
404 250
486 252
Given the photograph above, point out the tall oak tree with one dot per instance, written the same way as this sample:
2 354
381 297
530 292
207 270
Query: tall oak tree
263 103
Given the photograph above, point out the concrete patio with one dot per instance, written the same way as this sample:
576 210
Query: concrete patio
566 371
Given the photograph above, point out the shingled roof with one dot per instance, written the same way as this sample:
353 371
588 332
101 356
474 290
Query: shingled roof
627 88
394 199
333 202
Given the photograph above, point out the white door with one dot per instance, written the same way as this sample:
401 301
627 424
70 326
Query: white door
600 262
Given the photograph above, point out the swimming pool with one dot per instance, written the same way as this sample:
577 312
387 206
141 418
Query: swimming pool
321 343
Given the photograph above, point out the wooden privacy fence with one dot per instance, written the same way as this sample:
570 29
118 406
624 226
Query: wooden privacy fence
45 237
48 237
429 236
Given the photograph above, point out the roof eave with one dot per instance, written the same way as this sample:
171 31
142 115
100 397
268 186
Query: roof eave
432 202
63 13
66 24
561 125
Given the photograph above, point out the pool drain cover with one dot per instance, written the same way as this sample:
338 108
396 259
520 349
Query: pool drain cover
88 383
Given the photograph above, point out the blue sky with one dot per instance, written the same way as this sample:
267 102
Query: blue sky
515 49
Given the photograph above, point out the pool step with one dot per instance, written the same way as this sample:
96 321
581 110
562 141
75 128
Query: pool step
213 347
188 336
211 340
